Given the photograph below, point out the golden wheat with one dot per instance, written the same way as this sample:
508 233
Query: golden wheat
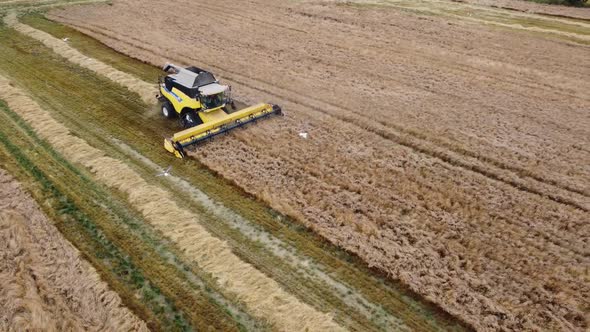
417 143
263 296
46 285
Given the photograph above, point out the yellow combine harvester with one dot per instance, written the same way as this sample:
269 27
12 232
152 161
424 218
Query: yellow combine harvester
203 106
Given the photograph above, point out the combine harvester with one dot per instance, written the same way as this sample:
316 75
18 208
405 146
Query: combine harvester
203 106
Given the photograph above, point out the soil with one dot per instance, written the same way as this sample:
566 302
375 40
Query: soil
46 285
449 154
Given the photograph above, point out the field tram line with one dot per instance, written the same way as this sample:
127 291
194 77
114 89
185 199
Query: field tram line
263 296
38 244
27 5
380 315
429 148
256 89
553 238
471 69
494 170
439 8
148 50
126 222
280 249
344 293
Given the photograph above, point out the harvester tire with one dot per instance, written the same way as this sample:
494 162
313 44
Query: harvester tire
190 118
168 110
227 109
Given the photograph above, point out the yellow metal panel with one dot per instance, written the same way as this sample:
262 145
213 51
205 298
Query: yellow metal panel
216 115
185 101
219 119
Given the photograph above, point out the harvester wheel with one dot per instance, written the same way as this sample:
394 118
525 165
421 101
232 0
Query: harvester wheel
190 119
230 107
168 110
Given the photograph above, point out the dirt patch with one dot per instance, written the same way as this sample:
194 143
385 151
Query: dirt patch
434 151
46 285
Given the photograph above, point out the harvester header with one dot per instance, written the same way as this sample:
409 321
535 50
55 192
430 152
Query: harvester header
203 106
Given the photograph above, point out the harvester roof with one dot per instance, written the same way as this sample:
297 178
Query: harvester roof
212 89
191 79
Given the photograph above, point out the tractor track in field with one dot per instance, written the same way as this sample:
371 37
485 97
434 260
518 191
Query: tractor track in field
143 89
282 250
46 283
211 254
462 66
467 67
249 17
555 239
378 313
485 166
111 242
473 191
27 5
529 7
478 14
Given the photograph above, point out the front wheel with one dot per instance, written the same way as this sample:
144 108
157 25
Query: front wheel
168 110
229 108
190 119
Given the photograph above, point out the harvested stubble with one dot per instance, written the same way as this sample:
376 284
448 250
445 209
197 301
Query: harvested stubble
432 155
46 285
142 88
387 301
262 295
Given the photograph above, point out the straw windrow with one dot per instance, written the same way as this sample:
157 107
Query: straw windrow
46 284
262 295
60 47
45 266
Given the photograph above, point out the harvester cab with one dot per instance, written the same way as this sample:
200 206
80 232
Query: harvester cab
189 93
203 106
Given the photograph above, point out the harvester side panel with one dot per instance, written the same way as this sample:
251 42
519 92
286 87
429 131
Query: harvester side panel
178 99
